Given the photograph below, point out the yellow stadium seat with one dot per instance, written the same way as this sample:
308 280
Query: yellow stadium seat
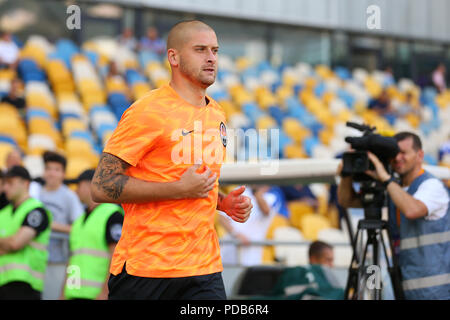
152 66
373 87
72 124
278 221
324 72
311 224
344 115
76 165
40 101
34 53
140 89
77 146
161 82
297 210
228 107
294 129
413 120
325 136
327 97
359 107
293 151
45 127
282 93
106 137
220 230
116 84
9 111
15 128
8 74
91 99
242 63
305 96
265 122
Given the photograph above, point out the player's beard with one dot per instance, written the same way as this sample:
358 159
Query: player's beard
196 75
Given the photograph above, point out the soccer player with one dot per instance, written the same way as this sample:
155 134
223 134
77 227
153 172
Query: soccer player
162 163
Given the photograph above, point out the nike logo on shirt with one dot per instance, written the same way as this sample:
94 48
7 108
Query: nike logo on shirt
185 133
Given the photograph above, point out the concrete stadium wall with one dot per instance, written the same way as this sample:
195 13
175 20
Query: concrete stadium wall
414 19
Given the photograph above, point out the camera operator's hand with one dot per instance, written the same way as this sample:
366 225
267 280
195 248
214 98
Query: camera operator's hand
380 172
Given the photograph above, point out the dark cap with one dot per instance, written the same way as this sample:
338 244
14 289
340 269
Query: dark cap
86 175
18 171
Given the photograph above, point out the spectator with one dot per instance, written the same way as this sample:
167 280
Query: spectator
9 51
254 229
410 106
389 79
65 207
13 158
438 78
24 235
299 192
127 39
98 229
279 201
113 70
321 253
382 105
152 42
15 97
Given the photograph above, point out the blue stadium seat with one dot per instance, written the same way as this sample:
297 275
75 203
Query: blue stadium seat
309 143
342 73
37 113
276 113
7 139
133 76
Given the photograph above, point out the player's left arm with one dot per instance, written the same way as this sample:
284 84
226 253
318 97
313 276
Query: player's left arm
235 205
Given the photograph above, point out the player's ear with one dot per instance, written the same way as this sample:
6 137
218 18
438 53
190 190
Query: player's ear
173 57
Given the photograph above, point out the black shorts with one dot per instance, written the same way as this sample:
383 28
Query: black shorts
128 287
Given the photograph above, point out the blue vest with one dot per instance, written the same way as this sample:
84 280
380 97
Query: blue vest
424 251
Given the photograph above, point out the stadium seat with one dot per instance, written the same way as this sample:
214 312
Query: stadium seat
311 224
290 255
343 251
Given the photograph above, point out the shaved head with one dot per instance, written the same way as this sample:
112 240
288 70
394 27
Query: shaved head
182 32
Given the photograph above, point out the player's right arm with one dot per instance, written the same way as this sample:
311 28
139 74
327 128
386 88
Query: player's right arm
111 184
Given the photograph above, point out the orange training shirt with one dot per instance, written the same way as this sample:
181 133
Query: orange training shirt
160 136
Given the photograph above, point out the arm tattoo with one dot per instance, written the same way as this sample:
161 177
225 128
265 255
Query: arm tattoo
110 175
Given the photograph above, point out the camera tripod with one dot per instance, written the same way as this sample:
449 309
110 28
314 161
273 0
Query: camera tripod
362 277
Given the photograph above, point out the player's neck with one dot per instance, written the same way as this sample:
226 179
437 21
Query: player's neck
190 92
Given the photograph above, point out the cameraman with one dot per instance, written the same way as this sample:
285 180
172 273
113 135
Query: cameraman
419 219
